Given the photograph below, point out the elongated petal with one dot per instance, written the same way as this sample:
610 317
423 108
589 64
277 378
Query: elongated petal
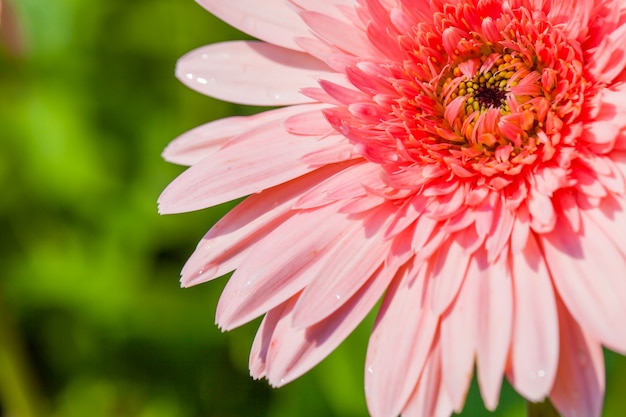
535 344
430 397
263 338
250 72
249 164
588 273
291 351
494 326
356 256
399 345
274 272
196 144
459 338
448 276
274 21
225 246
579 387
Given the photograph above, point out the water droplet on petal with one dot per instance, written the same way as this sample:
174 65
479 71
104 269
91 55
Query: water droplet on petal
202 80
370 370
338 297
541 373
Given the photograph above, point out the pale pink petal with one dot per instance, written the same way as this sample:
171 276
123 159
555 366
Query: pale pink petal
610 216
250 72
274 21
495 317
223 248
459 337
249 164
588 273
430 397
263 338
535 343
195 145
347 184
284 265
579 387
331 8
447 276
293 351
338 33
399 345
358 254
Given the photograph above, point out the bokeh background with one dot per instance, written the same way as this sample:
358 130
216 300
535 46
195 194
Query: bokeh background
92 319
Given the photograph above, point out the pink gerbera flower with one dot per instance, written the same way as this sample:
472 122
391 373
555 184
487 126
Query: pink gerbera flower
464 160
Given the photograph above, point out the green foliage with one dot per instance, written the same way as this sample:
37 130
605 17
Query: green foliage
92 321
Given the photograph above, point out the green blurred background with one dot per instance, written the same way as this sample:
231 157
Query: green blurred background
92 319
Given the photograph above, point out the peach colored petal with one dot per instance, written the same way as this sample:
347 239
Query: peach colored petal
347 184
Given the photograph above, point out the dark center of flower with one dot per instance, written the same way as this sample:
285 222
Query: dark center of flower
490 96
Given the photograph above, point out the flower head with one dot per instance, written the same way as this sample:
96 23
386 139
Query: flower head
462 159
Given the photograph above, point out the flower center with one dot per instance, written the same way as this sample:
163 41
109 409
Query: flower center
488 96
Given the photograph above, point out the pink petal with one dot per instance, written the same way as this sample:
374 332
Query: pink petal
223 248
354 258
347 184
608 60
579 387
610 216
284 265
399 344
459 337
573 16
495 317
274 21
252 162
250 72
195 145
447 276
588 272
535 344
293 351
338 33
263 338
331 8
430 397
